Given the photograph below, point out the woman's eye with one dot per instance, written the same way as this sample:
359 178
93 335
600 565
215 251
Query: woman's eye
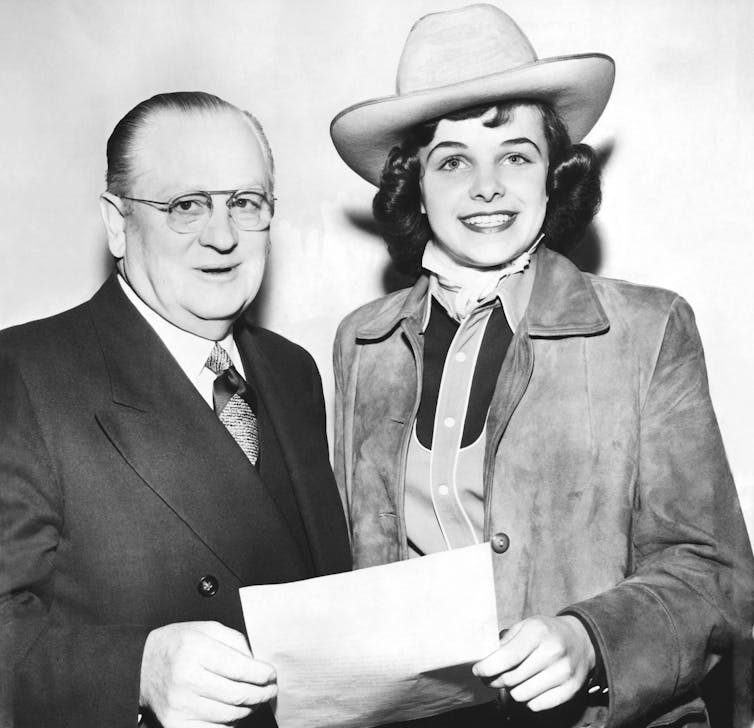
452 164
515 159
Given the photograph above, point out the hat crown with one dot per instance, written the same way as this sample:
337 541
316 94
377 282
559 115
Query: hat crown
457 45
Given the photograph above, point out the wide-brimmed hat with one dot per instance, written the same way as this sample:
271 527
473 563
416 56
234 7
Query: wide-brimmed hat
469 57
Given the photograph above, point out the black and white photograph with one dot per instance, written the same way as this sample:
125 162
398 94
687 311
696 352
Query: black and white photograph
376 364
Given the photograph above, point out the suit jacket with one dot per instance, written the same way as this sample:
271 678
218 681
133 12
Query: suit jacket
122 495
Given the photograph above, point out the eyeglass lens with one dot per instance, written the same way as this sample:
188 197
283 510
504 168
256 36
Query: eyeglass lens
249 210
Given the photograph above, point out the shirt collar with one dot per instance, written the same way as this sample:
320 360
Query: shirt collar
189 350
513 287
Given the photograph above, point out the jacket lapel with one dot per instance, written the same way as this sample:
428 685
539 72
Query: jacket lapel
563 301
563 304
301 436
259 372
178 447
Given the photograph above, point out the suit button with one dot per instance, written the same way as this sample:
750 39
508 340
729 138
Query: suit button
207 586
500 543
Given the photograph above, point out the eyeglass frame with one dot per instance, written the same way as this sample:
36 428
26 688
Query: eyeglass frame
165 206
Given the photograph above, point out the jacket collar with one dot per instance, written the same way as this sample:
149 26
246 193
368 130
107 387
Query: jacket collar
135 356
406 304
563 303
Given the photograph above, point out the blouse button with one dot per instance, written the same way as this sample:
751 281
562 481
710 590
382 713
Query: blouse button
449 422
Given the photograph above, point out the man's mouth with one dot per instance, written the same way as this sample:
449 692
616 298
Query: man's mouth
492 222
217 270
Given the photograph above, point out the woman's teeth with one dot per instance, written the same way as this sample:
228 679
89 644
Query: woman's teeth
489 220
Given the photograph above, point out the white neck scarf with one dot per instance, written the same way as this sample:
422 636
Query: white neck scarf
465 286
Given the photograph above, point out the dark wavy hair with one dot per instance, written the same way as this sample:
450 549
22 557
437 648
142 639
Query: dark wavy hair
573 186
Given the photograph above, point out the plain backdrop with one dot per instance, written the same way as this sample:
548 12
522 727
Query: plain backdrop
676 140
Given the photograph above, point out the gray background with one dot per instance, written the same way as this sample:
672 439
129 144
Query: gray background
676 136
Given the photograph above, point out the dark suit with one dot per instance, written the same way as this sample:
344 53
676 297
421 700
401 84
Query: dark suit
125 502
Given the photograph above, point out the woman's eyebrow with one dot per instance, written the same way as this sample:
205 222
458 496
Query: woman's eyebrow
441 145
521 140
461 145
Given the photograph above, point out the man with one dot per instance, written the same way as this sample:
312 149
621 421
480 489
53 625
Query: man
156 450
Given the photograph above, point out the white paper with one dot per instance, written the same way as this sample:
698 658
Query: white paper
369 647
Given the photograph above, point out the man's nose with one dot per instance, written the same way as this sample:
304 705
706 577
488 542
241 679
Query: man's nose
220 232
487 183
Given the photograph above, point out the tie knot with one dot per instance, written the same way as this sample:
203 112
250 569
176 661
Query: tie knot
218 360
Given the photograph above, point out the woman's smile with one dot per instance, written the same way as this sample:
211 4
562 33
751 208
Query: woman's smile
489 222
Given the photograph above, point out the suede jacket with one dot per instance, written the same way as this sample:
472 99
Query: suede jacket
604 467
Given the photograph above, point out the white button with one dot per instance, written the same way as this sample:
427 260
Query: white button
448 422
460 356
443 490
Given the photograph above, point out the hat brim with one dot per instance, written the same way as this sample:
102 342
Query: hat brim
577 87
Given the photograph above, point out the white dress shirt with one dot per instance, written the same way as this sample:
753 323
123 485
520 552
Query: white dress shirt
189 350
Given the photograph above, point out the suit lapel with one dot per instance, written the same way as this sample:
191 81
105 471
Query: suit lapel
302 442
178 447
258 372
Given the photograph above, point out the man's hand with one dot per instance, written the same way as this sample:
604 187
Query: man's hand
541 661
202 674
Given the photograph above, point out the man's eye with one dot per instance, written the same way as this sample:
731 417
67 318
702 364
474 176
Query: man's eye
247 203
189 205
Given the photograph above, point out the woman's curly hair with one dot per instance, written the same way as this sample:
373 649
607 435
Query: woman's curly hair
573 186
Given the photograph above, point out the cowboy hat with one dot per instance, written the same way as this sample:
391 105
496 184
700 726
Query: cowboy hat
468 57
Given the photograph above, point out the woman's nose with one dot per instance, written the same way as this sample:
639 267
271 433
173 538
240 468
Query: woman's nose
487 184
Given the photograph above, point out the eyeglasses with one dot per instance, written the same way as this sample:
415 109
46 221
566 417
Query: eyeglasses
248 209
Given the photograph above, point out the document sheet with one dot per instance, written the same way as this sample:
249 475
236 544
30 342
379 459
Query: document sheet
382 644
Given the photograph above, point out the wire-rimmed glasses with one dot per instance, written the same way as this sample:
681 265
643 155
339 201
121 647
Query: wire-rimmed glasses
190 213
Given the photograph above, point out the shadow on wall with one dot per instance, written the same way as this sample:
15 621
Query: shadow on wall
256 311
392 279
587 254
106 261
381 277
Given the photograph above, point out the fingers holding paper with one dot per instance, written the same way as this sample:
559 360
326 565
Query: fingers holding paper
541 661
202 673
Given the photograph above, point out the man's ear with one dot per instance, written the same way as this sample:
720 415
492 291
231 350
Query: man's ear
115 224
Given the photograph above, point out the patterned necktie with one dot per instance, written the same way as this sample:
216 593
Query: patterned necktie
231 397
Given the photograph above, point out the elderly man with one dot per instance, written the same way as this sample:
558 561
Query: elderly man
156 450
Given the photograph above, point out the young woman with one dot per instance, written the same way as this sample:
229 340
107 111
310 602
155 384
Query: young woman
509 397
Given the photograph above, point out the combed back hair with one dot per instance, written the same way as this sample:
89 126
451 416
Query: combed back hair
573 185
122 144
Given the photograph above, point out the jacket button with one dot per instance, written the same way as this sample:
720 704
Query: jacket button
207 586
500 543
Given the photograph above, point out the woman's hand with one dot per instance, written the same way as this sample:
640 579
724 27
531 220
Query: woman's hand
541 661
